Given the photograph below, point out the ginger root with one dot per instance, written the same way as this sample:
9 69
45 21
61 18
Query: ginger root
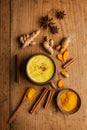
58 47
28 39
65 43
62 48
48 45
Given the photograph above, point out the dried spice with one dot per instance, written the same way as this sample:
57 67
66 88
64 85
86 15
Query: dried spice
60 14
54 29
43 67
68 63
39 100
49 98
47 22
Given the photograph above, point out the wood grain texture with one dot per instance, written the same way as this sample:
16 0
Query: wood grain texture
19 17
4 63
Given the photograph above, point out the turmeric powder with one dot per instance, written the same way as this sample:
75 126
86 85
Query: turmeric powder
31 93
68 100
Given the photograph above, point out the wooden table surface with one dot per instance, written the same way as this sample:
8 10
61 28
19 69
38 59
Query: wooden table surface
21 16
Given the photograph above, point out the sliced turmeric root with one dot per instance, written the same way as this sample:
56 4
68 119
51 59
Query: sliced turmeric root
60 57
60 83
63 49
65 55
64 73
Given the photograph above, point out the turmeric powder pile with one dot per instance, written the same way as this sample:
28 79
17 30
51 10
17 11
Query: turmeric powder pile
68 100
31 93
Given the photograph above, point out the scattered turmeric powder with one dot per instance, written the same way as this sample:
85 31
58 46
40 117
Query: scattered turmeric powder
60 83
68 100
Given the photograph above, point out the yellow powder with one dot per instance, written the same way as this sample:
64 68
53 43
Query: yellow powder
68 100
31 93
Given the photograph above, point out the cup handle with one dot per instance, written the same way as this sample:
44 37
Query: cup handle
53 85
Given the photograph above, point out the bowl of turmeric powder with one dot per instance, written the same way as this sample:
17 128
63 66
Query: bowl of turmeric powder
68 101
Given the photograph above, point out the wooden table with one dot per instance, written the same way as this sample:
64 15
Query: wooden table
21 16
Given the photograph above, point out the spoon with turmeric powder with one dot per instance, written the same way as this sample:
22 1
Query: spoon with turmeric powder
29 95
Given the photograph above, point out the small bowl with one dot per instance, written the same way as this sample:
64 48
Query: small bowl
78 102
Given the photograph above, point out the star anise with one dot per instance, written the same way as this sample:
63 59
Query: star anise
60 14
54 29
46 22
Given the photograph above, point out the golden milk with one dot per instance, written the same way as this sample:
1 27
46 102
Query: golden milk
40 68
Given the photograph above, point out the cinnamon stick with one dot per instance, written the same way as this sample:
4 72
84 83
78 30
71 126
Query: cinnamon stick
68 63
49 99
43 94
17 68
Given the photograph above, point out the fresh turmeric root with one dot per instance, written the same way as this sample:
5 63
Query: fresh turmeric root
64 73
64 45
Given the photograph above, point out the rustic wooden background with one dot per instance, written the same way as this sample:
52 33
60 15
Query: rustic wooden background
21 16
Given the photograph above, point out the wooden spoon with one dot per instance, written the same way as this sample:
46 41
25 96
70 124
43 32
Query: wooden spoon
29 95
